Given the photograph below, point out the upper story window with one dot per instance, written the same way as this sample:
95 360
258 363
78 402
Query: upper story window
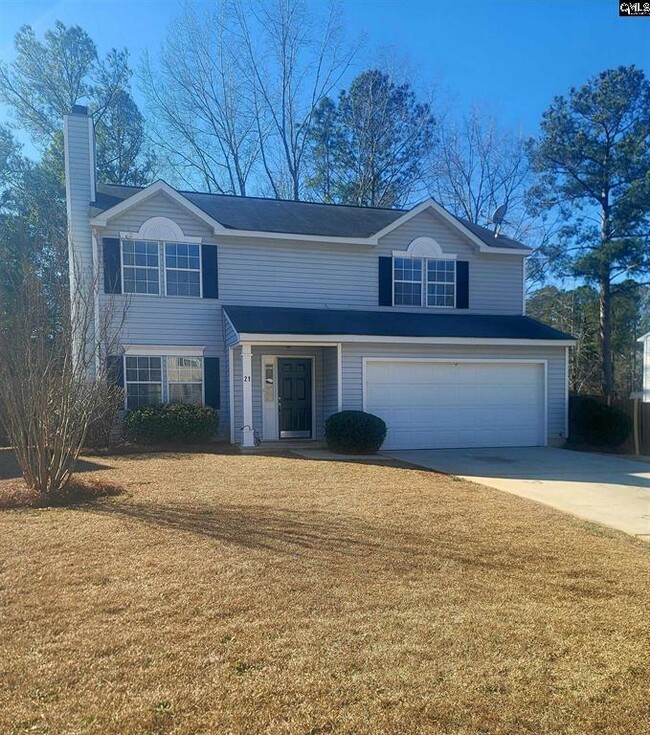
424 282
142 272
182 269
407 280
140 267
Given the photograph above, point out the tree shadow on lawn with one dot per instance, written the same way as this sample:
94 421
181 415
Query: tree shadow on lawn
326 536
251 526
10 470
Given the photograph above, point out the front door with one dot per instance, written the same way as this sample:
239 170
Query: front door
294 397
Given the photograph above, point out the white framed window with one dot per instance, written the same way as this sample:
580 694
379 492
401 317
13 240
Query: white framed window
407 281
156 379
441 283
144 382
182 269
141 267
427 282
146 264
185 379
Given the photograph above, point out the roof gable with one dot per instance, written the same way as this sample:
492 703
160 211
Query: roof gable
480 237
157 188
236 216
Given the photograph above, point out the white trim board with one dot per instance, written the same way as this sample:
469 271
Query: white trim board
231 392
333 339
430 204
164 350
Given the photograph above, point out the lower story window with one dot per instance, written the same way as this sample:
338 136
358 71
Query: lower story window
143 381
185 378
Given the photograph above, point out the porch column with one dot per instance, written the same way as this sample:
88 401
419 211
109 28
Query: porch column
248 435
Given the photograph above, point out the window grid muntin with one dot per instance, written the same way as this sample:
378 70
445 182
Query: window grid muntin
441 283
140 267
185 375
143 381
407 281
407 288
183 263
145 266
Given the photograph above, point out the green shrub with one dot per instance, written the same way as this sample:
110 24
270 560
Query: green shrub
594 423
176 423
354 432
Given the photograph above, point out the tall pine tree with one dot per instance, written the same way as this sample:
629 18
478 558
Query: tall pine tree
593 163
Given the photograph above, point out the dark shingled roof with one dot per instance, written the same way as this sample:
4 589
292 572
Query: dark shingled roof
298 218
280 320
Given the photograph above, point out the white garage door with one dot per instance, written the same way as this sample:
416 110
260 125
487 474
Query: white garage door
429 405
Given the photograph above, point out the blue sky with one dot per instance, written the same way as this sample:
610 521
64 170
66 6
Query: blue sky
512 55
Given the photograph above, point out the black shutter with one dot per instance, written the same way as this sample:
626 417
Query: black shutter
115 370
385 281
112 265
462 284
210 271
211 382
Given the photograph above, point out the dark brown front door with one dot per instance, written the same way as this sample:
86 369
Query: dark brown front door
294 397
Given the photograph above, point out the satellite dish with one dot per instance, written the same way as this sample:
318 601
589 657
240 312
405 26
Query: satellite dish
498 216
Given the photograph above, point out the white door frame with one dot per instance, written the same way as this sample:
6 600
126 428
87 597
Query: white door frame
270 408
451 360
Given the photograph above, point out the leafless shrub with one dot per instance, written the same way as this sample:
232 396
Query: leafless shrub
53 377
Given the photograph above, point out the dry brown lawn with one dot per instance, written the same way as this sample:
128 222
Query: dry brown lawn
252 594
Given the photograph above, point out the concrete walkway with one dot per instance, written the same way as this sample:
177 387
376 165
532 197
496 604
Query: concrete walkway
603 488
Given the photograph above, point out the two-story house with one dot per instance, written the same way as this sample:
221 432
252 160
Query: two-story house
281 313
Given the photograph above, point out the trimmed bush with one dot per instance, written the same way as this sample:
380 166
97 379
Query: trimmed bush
175 423
354 432
595 424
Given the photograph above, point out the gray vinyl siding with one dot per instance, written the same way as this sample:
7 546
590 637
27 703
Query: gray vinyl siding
297 274
170 320
159 205
268 272
496 281
330 382
230 335
352 366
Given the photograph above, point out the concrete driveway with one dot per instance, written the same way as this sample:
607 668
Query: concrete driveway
602 488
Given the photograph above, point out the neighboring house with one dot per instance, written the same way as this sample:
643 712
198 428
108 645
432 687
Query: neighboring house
645 389
282 313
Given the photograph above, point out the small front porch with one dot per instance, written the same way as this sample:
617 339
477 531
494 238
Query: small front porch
282 393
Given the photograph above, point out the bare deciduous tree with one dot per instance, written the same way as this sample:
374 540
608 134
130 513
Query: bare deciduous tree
478 167
53 376
292 60
200 111
237 89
